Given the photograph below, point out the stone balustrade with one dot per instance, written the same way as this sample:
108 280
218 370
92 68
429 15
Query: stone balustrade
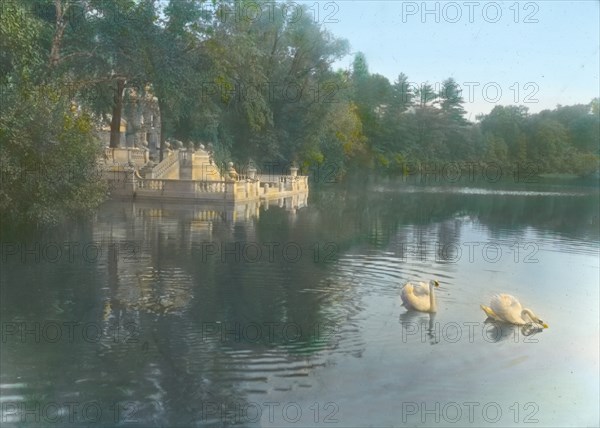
283 183
151 184
190 175
168 167
126 156
193 189
211 187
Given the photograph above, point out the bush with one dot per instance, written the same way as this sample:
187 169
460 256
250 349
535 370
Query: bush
48 155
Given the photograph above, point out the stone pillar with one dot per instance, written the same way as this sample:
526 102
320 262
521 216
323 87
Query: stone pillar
129 184
230 189
185 165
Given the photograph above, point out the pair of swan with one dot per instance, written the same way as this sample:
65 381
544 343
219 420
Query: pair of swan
503 307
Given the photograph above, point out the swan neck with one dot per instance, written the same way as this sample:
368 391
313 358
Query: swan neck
529 313
432 303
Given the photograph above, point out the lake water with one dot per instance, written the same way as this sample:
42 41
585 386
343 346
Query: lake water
175 315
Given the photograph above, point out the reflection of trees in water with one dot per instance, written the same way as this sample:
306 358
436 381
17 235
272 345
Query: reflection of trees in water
170 363
278 292
192 370
375 217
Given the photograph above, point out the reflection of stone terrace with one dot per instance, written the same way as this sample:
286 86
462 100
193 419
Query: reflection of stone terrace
180 227
187 174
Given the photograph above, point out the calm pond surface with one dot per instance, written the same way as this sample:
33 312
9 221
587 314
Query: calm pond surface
175 315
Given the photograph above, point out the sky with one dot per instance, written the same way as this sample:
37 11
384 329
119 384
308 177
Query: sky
537 54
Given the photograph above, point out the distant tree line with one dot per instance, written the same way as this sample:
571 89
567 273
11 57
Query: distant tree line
257 86
403 124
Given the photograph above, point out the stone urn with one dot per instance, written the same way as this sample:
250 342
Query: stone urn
232 174
251 172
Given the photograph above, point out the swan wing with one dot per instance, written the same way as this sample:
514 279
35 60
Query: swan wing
421 289
507 308
416 296
490 313
407 291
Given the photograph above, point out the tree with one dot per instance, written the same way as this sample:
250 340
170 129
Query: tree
426 95
402 95
48 151
595 106
452 102
549 148
360 67
509 123
175 64
100 52
585 133
273 83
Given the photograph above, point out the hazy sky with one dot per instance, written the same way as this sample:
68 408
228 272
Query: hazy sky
538 54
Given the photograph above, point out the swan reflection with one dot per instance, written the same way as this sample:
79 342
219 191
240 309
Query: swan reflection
419 322
496 331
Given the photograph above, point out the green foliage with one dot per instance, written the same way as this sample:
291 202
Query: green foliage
48 158
20 55
426 95
451 102
563 140
402 96
259 88
360 67
47 148
404 124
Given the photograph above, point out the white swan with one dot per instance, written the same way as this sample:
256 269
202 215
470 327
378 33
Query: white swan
419 296
506 308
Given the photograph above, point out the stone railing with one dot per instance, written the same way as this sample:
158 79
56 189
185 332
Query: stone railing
210 187
124 156
151 184
168 167
194 189
186 189
170 180
139 157
275 184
